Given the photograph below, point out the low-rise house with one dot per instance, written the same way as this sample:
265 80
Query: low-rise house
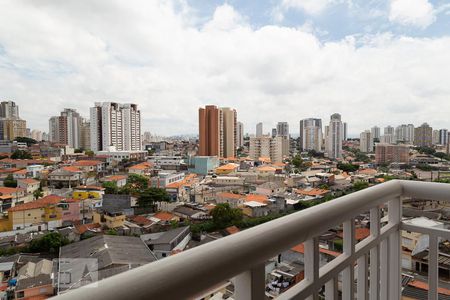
191 213
28 184
35 171
180 190
265 171
20 174
227 169
88 166
165 178
234 200
65 177
227 181
44 210
143 169
102 256
312 192
88 192
39 287
120 180
164 217
10 196
167 243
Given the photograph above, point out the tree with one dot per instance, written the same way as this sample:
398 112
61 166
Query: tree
137 183
89 153
10 181
347 167
360 185
27 140
78 150
38 193
110 187
50 242
21 154
149 196
224 216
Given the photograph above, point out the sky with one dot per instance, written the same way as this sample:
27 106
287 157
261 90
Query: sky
376 62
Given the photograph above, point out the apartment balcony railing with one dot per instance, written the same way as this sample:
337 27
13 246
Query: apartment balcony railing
371 269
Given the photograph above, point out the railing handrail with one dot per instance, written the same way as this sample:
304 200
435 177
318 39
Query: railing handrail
194 271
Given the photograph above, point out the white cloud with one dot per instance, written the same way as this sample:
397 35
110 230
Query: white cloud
73 53
418 13
312 7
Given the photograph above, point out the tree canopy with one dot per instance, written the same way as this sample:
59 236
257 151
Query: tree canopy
149 196
21 154
224 216
10 181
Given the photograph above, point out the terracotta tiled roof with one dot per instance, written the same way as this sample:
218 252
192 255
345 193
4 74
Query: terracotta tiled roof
72 169
312 192
115 178
185 182
87 163
424 286
232 230
40 203
266 169
8 190
257 198
28 181
164 216
141 220
300 248
360 233
230 195
85 227
21 172
90 187
142 166
230 166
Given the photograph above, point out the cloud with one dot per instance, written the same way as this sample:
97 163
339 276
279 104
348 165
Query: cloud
311 7
418 13
74 53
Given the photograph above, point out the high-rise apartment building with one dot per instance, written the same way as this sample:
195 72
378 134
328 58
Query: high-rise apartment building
404 133
65 129
85 134
435 137
387 139
311 134
9 110
366 142
283 132
443 137
36 135
11 125
376 132
217 131
388 153
283 129
344 131
423 136
117 125
267 147
274 132
240 135
335 137
389 130
259 129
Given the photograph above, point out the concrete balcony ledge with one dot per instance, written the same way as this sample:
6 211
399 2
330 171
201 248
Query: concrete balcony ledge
241 256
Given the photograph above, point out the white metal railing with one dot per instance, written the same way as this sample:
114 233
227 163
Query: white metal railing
242 256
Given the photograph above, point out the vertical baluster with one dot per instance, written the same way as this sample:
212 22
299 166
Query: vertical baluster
312 264
395 274
348 290
250 285
433 269
331 289
384 274
374 255
362 283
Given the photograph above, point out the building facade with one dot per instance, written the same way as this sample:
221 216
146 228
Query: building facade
65 129
115 124
217 131
366 142
423 136
335 137
266 147
311 134
388 153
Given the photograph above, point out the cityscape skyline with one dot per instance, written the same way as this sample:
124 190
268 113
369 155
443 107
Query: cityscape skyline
185 56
